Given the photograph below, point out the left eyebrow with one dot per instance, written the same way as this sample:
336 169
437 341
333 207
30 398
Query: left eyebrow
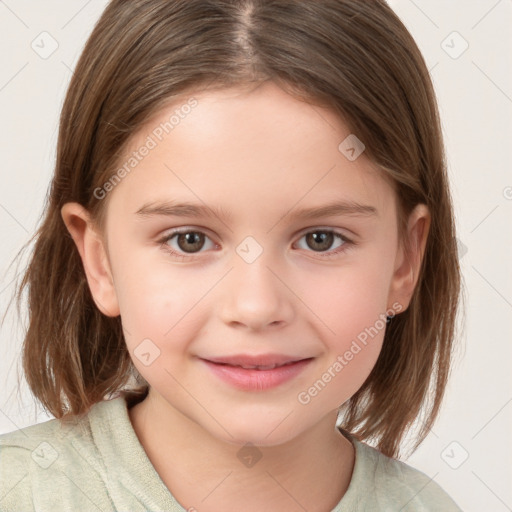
187 209
334 209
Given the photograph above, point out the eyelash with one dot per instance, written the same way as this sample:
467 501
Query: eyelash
347 243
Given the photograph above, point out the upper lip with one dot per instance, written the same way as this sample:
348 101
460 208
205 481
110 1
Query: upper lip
256 361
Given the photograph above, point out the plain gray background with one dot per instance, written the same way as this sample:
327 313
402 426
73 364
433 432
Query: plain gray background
469 451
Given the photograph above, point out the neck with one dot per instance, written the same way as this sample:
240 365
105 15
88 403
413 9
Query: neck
309 472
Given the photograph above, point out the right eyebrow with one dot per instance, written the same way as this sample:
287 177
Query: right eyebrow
174 209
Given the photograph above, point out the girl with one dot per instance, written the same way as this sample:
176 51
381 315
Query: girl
246 267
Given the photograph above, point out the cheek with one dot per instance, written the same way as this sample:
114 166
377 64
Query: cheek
157 301
347 299
349 307
350 355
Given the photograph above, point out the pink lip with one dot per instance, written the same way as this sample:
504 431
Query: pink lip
230 370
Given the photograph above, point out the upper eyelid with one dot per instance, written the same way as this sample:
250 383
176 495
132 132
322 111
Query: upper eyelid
189 229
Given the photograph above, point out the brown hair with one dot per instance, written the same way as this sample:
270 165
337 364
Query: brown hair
354 57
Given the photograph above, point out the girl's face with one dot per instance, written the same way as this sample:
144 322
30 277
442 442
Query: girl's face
288 255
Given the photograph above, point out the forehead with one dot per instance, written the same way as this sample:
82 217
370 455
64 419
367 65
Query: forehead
257 149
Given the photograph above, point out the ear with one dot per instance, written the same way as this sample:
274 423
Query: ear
409 257
94 257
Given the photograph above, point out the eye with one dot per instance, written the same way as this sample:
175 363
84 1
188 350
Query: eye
321 240
185 242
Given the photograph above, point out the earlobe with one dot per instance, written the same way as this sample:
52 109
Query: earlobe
94 257
410 257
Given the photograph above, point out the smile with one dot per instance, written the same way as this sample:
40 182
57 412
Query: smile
259 367
256 373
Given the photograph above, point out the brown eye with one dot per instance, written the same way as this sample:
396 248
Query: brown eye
191 241
320 240
325 242
182 243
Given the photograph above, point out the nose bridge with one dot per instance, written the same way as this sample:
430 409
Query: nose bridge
255 296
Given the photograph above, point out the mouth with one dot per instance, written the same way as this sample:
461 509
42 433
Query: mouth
256 373
259 362
260 367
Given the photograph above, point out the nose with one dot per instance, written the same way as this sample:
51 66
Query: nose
255 296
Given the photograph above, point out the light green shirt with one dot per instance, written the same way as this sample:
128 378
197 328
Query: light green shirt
97 463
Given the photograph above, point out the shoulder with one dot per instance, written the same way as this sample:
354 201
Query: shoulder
383 483
37 461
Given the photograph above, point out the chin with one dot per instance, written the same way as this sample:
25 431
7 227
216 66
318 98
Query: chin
261 434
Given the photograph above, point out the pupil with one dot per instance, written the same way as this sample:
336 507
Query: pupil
322 238
190 242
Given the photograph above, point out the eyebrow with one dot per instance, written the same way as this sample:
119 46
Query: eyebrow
187 209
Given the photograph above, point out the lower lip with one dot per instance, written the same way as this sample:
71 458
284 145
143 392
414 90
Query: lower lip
257 380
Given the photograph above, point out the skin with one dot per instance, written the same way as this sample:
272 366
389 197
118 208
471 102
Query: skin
260 155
